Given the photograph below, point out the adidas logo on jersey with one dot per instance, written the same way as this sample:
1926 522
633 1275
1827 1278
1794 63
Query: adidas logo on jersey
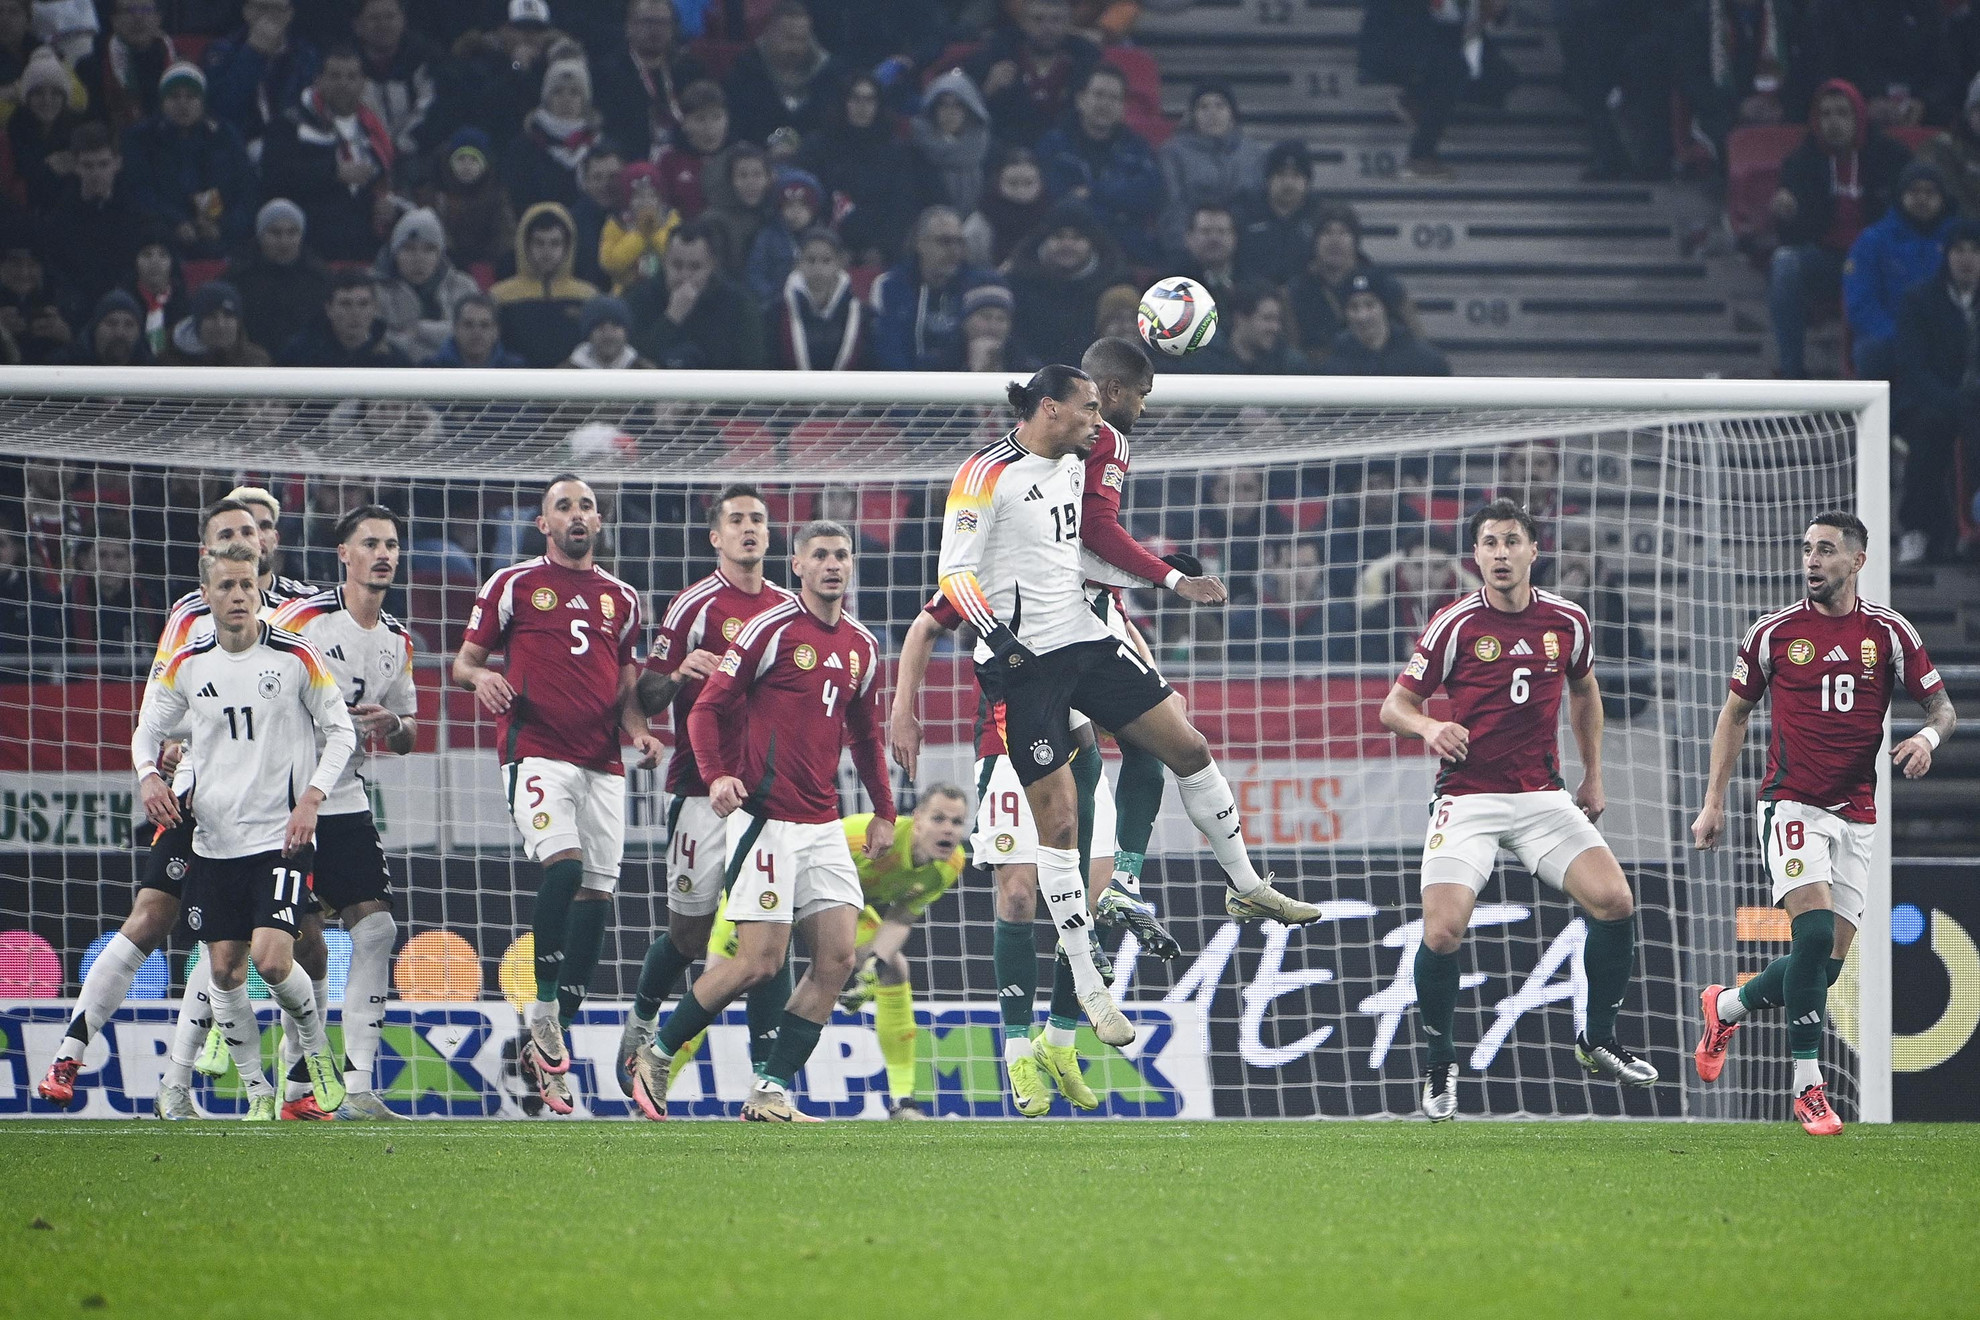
335 653
576 603
832 661
208 691
1836 655
1521 648
1034 494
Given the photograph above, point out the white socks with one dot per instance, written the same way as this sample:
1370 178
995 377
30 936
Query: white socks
1064 888
103 990
1016 1047
1807 1073
234 1015
1059 1036
195 1020
364 995
1731 1007
540 1008
297 996
1206 796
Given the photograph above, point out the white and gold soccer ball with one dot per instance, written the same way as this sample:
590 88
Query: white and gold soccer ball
1177 316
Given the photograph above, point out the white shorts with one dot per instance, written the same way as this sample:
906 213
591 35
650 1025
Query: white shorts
1804 844
560 807
697 854
1005 833
785 871
1546 831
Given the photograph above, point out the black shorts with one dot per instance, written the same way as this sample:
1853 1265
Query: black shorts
1106 681
229 898
350 862
170 857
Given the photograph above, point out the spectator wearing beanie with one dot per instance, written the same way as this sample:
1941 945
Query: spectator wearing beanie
874 181
92 232
917 305
784 80
281 283
38 132
1057 276
114 336
190 172
350 332
540 301
604 322
1935 400
477 337
640 86
1376 342
1211 160
122 71
633 240
952 133
214 334
817 323
1889 259
1094 157
470 200
259 70
1955 153
418 288
1276 224
796 205
542 161
1318 295
693 315
333 157
988 332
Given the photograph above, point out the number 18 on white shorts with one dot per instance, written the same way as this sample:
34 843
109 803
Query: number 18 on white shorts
781 870
559 807
1546 831
1804 845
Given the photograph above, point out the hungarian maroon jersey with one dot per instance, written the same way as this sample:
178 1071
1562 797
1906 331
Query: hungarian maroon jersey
707 616
989 714
1505 674
804 689
1833 677
567 633
1100 527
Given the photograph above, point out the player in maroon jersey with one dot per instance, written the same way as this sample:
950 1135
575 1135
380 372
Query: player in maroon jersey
564 704
1833 661
1505 653
703 621
804 676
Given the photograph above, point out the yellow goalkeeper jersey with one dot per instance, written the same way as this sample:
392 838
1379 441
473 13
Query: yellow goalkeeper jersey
892 878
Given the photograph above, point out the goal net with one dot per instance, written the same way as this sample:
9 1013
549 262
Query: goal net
1333 508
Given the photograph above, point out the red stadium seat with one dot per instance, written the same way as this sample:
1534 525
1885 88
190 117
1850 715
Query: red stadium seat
1144 92
1754 153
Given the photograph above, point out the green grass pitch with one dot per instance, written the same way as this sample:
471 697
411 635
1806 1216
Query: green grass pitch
954 1220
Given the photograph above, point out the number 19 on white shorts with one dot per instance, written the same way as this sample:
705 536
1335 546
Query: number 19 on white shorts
560 807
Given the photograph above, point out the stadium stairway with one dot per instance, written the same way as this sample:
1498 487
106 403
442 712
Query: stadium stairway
1518 267
1939 815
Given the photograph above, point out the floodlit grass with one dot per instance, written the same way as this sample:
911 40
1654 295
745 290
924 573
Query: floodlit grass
953 1220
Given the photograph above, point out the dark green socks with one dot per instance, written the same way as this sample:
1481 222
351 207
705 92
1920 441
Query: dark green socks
551 923
658 975
1436 1002
1065 995
1014 952
1137 802
765 1008
1806 982
584 940
1769 989
1086 780
1608 956
796 1038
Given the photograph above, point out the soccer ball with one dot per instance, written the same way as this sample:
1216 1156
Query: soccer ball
1177 315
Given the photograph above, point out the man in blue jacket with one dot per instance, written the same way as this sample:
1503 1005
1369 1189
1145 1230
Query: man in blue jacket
918 305
189 171
1888 260
1935 401
1095 158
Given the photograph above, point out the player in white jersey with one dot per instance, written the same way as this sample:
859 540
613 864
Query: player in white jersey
371 654
252 700
155 908
1011 564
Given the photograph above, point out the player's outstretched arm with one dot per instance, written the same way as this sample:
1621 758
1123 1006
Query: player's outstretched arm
1402 713
1727 739
1585 719
910 672
1913 756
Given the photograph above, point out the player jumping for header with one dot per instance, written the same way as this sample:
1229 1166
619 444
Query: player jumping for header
563 703
803 676
255 700
1504 653
1011 564
1833 661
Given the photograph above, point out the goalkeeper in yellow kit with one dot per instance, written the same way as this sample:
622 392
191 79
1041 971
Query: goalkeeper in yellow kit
899 885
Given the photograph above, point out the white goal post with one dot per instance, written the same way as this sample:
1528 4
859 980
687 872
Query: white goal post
1690 494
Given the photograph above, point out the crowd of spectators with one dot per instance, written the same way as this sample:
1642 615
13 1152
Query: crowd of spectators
840 179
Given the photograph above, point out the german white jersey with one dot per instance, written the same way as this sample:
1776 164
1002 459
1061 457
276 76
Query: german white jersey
373 666
1011 548
253 719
